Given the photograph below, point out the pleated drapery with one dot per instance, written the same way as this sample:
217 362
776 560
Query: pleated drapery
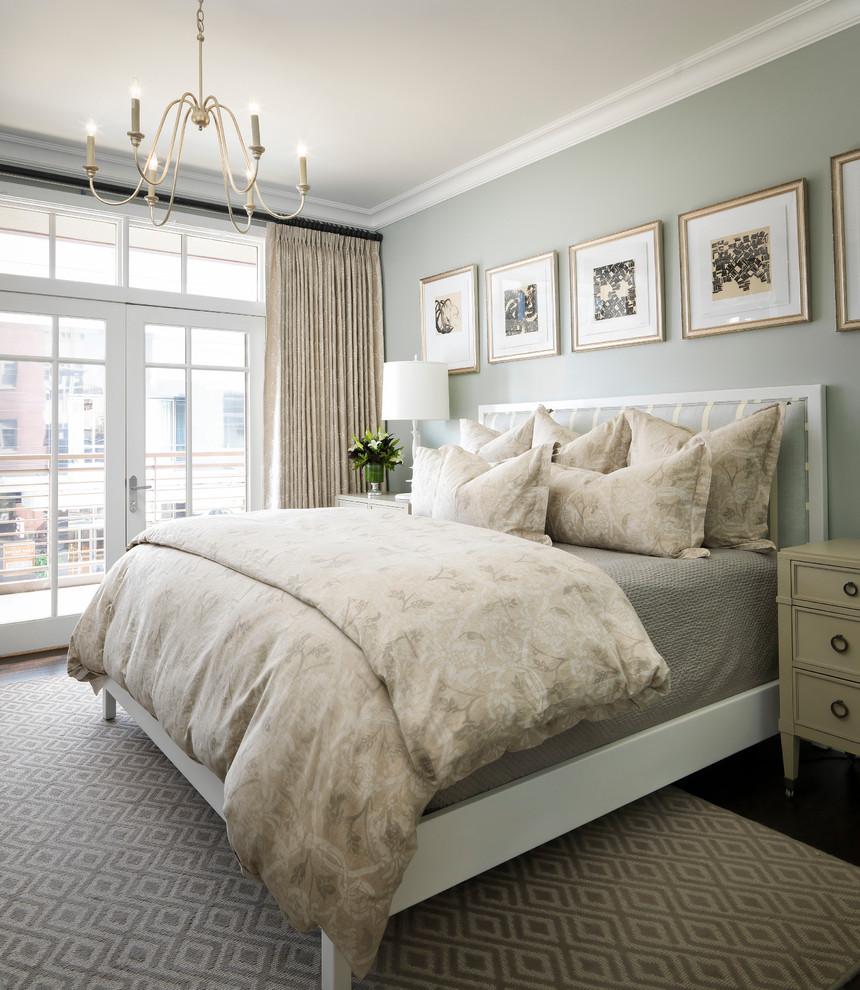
324 355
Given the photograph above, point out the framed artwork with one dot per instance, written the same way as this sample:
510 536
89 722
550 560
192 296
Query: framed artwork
449 319
845 185
744 263
616 289
522 309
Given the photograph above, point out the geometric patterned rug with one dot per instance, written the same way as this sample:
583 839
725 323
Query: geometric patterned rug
116 875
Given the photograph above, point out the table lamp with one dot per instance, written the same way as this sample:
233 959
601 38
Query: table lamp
414 390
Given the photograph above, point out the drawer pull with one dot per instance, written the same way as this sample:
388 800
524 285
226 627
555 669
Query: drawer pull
850 589
839 709
839 643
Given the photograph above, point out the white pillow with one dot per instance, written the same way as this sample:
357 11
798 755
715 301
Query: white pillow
656 508
474 435
426 464
510 497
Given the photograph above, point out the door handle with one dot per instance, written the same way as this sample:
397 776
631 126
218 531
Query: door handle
133 489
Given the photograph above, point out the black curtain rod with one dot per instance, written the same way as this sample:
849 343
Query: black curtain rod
82 183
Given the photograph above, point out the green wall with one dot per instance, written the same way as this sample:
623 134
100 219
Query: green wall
772 125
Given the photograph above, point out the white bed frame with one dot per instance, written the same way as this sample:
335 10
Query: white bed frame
465 839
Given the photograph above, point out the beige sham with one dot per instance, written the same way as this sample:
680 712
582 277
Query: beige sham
510 497
602 449
743 461
656 508
547 430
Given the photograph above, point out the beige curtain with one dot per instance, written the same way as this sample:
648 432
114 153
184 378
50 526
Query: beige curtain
324 354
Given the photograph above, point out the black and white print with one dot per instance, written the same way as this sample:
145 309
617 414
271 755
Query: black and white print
448 314
741 264
615 290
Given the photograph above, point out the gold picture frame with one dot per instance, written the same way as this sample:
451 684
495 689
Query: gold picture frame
845 190
616 289
522 309
745 262
449 319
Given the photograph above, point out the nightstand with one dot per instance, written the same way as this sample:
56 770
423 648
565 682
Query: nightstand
818 601
374 502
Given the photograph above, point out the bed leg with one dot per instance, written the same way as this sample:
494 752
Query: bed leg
336 974
108 706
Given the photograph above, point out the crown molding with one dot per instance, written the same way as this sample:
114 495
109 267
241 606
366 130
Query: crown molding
803 25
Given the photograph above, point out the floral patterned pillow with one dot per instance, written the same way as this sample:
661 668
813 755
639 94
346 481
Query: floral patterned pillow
743 461
656 508
602 449
510 497
547 430
474 435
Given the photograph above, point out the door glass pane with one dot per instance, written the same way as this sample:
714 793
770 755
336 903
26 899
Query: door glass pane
224 348
165 444
25 466
82 338
165 345
24 242
23 333
154 259
86 250
80 483
222 268
218 448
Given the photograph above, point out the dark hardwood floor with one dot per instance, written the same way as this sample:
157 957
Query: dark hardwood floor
824 812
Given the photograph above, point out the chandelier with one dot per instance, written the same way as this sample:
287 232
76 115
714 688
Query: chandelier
202 113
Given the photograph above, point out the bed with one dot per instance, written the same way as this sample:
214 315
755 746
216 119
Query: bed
585 771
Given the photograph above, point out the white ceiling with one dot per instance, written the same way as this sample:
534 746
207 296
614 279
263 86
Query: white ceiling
401 103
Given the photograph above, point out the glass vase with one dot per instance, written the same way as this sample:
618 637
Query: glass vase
374 474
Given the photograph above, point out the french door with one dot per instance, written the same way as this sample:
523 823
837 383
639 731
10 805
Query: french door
112 417
194 415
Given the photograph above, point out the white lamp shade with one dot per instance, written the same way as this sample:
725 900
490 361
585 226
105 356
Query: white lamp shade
415 390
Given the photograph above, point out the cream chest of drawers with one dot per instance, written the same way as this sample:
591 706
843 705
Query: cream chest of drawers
373 502
819 649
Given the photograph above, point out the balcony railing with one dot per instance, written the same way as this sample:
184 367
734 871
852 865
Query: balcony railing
218 487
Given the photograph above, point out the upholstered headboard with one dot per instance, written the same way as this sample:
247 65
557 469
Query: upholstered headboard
798 510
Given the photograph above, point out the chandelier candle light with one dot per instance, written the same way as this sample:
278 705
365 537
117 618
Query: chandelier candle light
201 112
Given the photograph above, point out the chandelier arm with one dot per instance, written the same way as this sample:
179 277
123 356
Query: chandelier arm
152 199
279 216
224 151
110 202
224 176
187 100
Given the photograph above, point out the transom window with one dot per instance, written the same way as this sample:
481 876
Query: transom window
45 242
